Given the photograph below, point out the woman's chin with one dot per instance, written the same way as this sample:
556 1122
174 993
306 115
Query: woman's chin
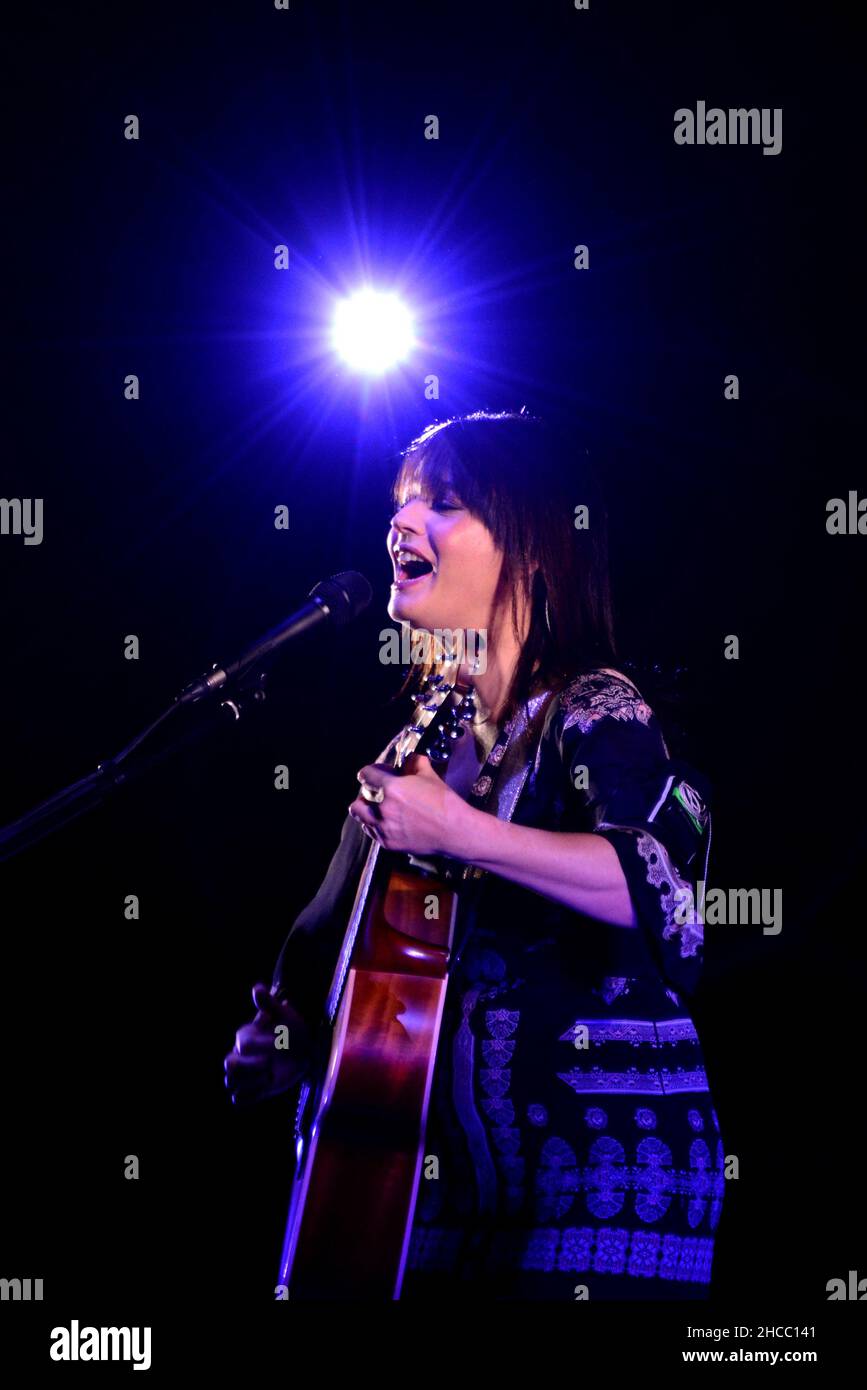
403 610
404 613
421 610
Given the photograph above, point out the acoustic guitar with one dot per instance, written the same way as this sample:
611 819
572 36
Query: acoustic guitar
362 1113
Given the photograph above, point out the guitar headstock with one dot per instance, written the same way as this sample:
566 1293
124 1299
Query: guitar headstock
438 720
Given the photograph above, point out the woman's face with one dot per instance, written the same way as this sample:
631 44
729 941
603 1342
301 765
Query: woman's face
446 565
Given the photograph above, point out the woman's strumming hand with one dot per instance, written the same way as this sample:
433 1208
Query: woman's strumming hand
418 813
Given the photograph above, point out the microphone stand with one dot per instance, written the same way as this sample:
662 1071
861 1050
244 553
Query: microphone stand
242 691
239 684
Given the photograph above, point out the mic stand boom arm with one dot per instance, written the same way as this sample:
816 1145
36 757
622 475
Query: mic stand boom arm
90 791
339 599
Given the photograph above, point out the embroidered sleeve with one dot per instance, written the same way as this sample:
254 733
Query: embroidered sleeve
653 809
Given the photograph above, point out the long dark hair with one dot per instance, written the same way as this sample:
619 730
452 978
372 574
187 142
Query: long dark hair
524 478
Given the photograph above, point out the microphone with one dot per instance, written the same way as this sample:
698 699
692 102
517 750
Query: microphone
339 600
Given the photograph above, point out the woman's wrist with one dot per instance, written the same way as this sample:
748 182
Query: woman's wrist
463 832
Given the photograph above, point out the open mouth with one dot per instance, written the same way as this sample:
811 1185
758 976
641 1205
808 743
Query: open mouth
410 568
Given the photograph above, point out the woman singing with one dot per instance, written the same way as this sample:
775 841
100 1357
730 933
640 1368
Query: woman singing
578 1148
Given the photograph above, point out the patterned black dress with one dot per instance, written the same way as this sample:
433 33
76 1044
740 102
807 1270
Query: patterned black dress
578 1151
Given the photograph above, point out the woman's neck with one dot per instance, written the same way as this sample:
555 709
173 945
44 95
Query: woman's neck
492 685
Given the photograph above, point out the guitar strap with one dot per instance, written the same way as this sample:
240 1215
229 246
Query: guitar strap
504 773
496 790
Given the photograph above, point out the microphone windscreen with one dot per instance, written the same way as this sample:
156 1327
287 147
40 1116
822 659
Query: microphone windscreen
345 595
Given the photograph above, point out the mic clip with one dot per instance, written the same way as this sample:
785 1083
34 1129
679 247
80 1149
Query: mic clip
249 690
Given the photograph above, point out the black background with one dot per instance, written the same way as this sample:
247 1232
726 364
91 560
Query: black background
261 127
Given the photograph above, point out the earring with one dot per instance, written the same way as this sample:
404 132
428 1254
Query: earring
548 619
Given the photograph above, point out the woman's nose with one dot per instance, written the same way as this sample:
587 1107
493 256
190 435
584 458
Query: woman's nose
409 517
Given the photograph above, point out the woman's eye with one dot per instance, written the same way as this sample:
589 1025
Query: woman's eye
446 504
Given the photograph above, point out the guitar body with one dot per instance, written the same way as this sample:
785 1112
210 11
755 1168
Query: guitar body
355 1190
361 1127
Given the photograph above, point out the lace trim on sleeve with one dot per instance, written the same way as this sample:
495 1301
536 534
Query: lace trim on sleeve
663 876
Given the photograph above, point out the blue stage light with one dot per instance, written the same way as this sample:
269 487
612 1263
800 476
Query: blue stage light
373 331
